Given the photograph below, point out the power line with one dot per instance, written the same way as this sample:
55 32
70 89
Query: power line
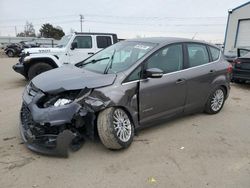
38 18
116 17
121 23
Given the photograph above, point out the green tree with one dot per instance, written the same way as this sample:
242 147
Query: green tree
49 31
29 31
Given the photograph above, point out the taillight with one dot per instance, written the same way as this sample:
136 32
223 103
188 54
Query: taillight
237 61
229 68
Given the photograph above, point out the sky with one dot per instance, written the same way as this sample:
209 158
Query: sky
199 19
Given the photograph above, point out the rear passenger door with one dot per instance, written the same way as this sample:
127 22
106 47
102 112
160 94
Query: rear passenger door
103 41
200 74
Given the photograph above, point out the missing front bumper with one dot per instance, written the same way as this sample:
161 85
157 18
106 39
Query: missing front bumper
62 144
46 139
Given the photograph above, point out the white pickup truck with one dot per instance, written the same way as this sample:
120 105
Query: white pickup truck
71 49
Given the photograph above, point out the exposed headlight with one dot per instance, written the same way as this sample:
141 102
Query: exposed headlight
61 102
63 98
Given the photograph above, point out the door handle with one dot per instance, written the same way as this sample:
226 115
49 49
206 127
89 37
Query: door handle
181 80
90 53
212 71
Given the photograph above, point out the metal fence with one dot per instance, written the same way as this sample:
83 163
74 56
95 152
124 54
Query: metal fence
43 42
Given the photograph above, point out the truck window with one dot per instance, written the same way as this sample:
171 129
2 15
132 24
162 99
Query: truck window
103 41
83 41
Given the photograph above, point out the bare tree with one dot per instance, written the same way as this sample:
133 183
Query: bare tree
29 30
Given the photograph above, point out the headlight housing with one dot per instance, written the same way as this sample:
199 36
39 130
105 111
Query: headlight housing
61 102
63 98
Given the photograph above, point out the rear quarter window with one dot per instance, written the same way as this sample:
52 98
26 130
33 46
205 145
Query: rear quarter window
103 41
215 53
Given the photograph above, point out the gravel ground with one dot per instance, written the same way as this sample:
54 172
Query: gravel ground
193 151
2 54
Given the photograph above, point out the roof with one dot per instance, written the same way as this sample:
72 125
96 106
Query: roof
88 33
166 40
241 6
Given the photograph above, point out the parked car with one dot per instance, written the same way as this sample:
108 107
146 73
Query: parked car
241 66
29 44
13 50
127 86
70 50
230 56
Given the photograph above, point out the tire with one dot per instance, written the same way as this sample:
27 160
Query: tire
110 133
38 68
216 101
10 53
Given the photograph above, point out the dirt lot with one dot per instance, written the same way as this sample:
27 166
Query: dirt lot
194 151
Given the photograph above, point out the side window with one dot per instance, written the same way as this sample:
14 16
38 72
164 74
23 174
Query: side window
197 54
103 41
168 59
215 53
135 75
83 41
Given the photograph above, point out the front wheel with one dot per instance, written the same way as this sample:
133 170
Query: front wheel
38 68
216 101
115 128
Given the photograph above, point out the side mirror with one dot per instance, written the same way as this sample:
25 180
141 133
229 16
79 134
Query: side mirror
154 73
73 45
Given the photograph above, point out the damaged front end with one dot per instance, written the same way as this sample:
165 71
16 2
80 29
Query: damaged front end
51 123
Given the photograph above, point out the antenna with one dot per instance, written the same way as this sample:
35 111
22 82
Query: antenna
194 36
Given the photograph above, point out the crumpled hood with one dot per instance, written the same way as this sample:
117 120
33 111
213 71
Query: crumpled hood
71 78
43 50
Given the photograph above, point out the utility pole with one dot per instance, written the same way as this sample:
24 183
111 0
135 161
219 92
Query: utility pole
16 30
81 20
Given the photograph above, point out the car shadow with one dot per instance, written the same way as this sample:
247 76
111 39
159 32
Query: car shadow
166 123
242 85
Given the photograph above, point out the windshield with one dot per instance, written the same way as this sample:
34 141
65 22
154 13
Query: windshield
64 41
117 57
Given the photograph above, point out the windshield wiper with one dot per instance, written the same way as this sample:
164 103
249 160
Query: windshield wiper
92 61
110 63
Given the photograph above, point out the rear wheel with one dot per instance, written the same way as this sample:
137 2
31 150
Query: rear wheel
38 68
216 101
115 128
10 53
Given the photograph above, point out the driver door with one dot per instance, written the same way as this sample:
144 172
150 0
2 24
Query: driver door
85 47
163 97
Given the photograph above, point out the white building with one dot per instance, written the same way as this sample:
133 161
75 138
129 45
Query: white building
238 29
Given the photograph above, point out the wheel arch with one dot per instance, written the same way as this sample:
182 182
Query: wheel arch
129 113
39 60
12 50
221 81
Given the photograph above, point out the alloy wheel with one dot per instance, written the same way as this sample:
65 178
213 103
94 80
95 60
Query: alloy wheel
217 100
122 125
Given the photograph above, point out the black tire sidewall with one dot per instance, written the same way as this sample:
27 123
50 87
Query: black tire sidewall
32 72
10 53
208 105
123 144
